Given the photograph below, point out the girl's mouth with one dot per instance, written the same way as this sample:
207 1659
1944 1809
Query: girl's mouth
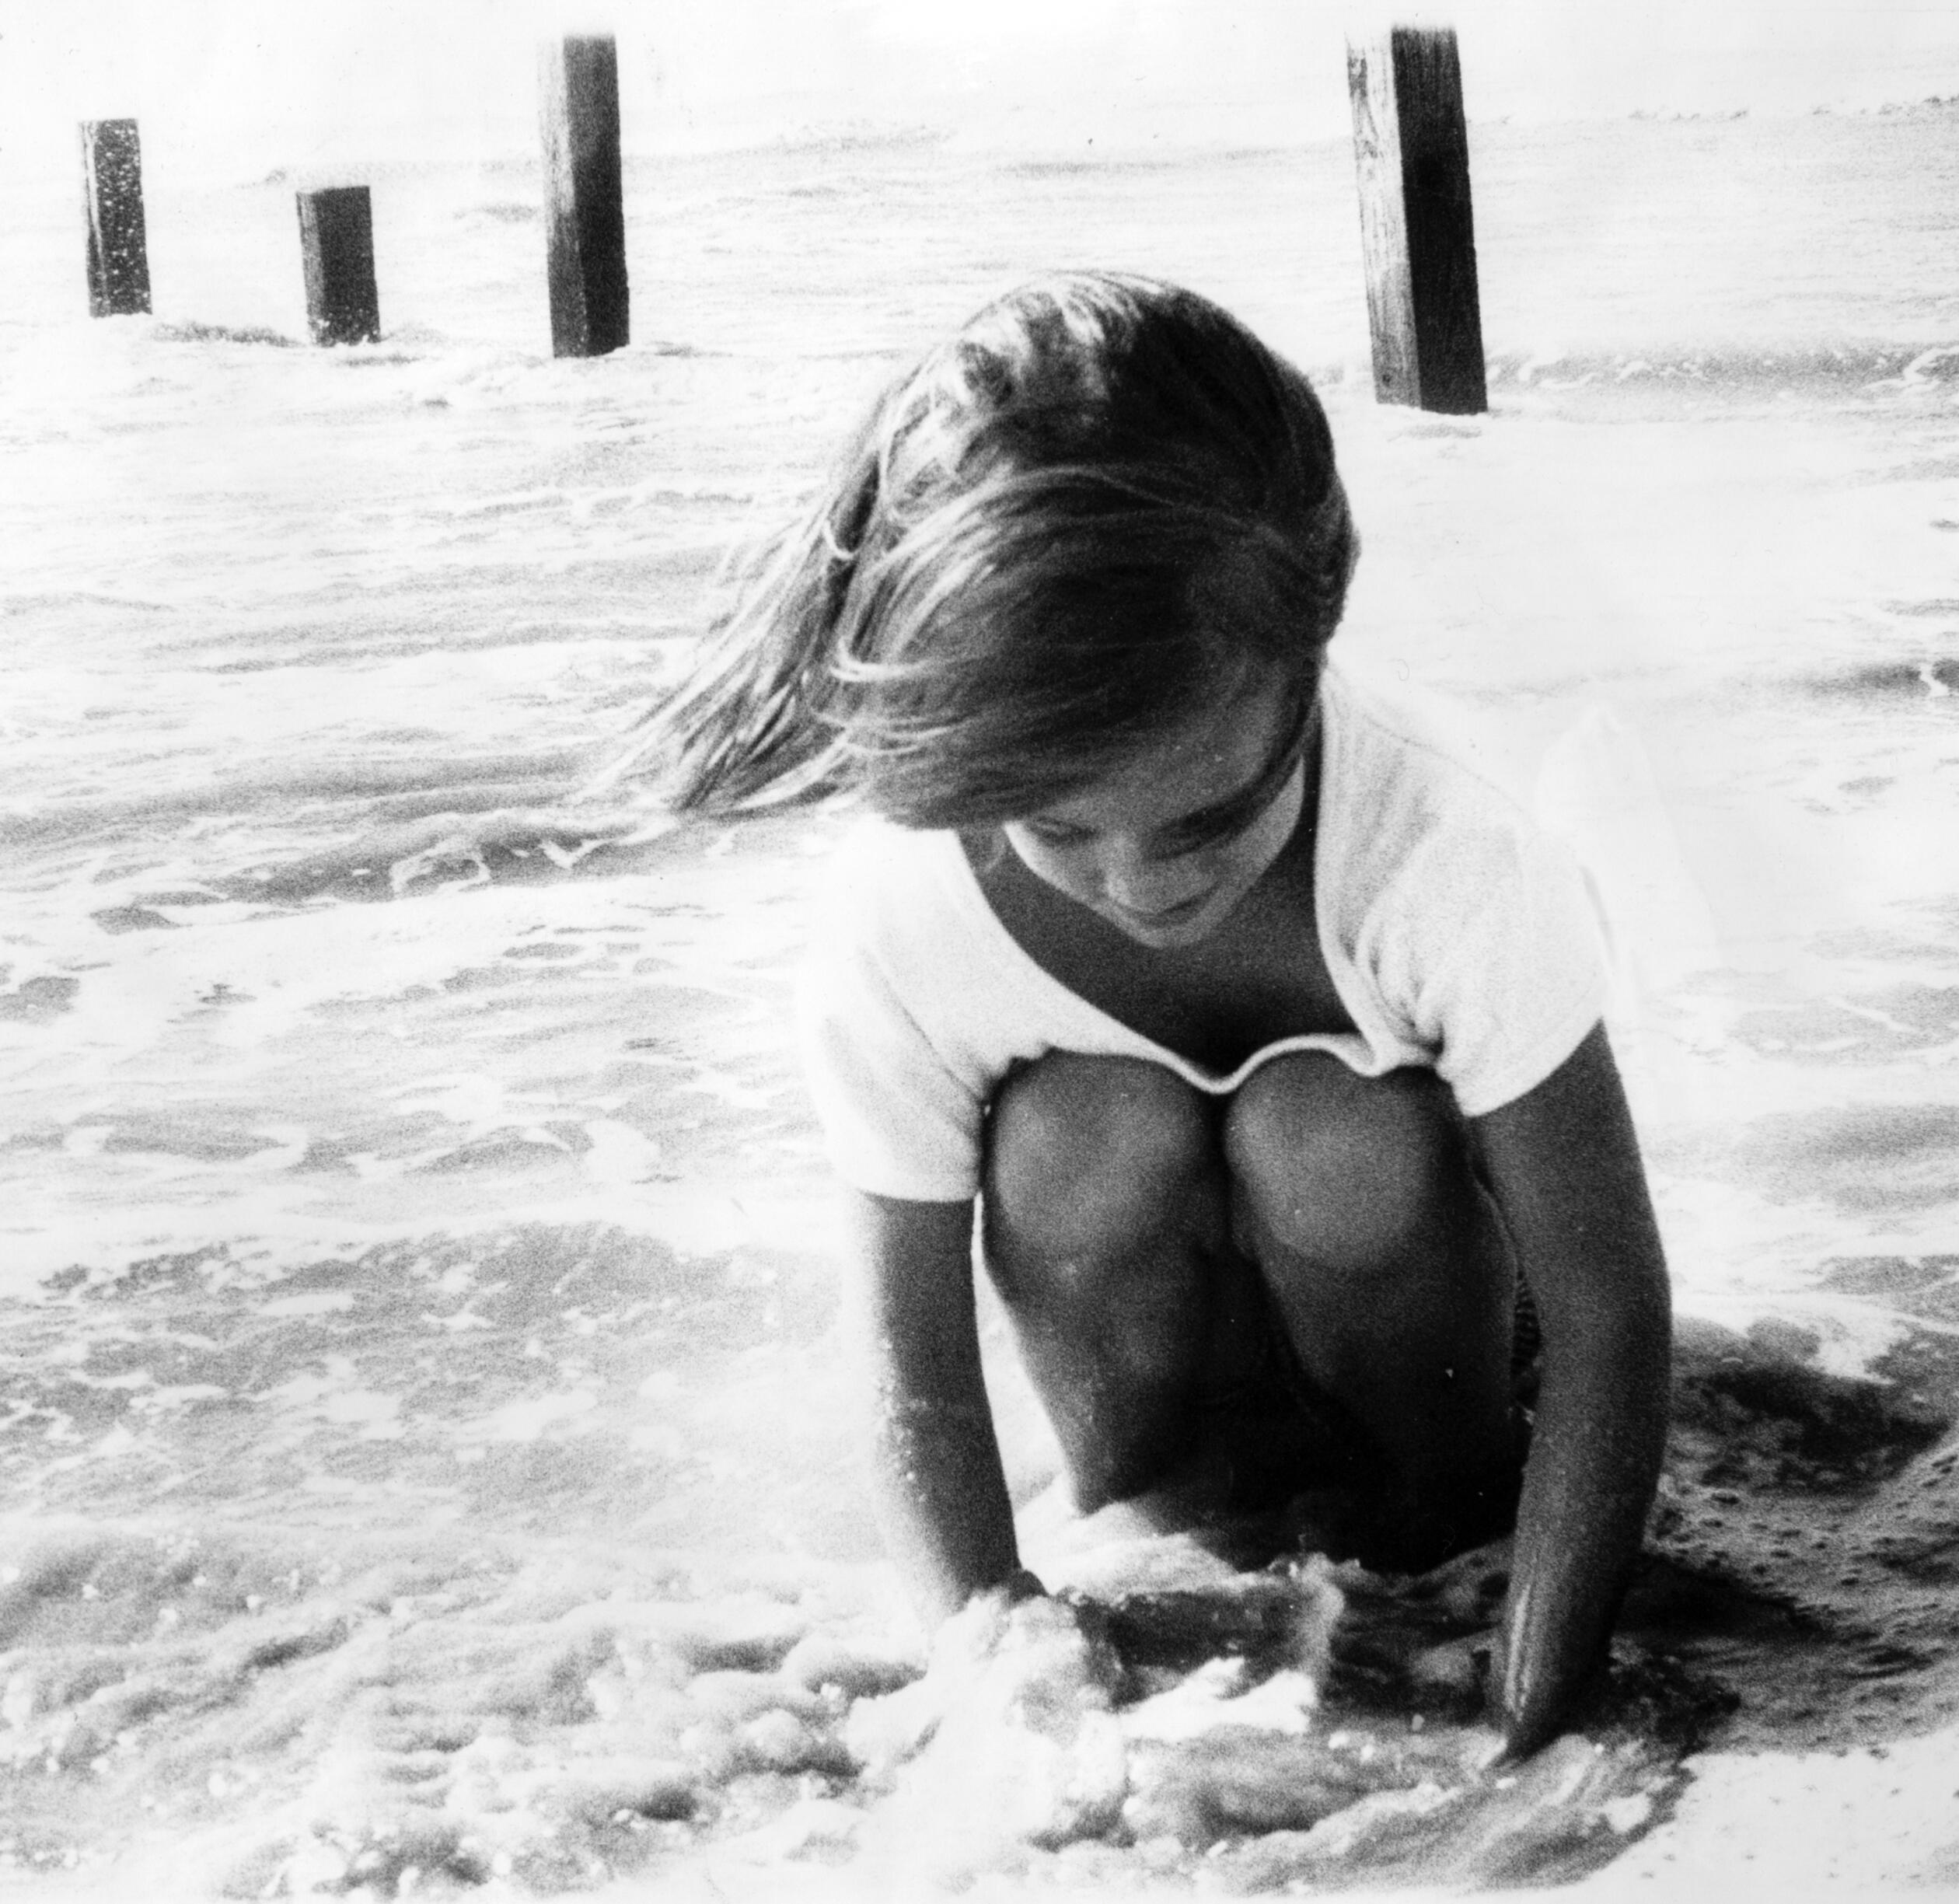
1164 918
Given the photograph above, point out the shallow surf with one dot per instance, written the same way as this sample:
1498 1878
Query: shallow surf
423 1452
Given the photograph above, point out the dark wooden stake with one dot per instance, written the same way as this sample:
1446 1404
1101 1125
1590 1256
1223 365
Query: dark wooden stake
112 182
1412 148
585 207
337 247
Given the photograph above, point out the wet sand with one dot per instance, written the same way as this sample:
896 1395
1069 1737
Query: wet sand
424 1441
506 1563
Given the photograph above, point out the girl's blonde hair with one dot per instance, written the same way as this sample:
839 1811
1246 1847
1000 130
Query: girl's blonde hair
1101 503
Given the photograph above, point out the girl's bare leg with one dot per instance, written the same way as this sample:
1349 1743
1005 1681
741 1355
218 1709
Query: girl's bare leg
1107 1233
1356 1198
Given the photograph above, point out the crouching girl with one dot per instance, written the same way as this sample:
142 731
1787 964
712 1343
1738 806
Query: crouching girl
1248 1035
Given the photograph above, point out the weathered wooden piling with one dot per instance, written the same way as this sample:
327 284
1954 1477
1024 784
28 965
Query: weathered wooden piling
337 250
1411 147
112 183
585 206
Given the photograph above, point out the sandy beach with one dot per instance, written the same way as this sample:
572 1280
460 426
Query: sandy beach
424 1456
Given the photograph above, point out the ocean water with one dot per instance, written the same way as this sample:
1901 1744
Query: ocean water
424 1450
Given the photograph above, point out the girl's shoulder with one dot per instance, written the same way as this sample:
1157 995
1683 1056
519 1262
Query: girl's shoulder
1393 746
894 887
1427 819
872 856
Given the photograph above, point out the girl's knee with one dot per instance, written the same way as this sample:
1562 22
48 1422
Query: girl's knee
1081 1149
1347 1170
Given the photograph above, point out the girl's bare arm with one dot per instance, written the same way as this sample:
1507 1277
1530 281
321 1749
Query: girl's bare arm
942 1496
1564 1165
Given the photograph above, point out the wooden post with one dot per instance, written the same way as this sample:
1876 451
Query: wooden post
1411 147
336 249
585 207
112 182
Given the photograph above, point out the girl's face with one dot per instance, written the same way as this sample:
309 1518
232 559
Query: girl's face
1165 846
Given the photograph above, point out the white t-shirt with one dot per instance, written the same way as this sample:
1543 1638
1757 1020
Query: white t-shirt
1458 936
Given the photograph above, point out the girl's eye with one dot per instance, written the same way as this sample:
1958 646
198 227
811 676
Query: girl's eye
1212 828
1057 834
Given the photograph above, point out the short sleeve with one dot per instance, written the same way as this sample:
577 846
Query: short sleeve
1501 960
896 1119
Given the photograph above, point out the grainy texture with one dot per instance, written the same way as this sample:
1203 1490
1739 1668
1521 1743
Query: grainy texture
112 177
1384 225
1412 153
584 218
337 248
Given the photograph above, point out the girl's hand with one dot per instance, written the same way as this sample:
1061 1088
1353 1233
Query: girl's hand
1528 1730
1017 1658
1009 1733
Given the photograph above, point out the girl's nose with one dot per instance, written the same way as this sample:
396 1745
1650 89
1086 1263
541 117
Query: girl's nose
1138 883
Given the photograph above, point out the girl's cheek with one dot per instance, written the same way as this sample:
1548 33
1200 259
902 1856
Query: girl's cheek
1057 865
